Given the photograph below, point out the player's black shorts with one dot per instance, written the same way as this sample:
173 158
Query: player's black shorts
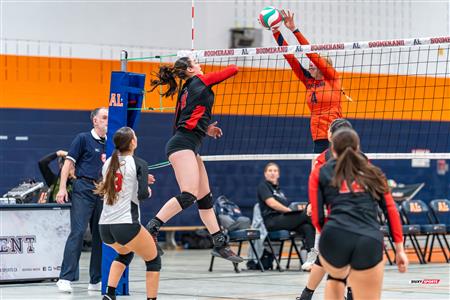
120 233
183 140
321 145
317 262
341 248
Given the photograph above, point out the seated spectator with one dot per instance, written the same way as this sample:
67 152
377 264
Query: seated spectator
276 212
50 177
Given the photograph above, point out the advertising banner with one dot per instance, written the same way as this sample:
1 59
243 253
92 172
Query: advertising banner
32 242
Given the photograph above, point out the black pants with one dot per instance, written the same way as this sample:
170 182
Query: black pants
296 221
86 208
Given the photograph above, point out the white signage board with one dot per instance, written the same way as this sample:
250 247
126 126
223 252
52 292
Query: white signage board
32 242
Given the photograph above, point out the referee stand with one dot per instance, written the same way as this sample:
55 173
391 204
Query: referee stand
125 103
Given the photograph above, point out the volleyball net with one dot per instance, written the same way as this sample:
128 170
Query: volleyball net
396 93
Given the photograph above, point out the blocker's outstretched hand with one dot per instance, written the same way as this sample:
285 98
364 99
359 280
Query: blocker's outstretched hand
288 17
214 131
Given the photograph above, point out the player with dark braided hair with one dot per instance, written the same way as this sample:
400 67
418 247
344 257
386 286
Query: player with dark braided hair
192 123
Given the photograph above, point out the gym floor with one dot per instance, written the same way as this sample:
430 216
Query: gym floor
185 276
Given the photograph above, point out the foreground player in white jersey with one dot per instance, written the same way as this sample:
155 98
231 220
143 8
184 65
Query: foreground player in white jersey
125 183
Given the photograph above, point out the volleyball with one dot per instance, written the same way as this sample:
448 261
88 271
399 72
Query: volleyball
270 17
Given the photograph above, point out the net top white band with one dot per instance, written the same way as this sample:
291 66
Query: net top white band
372 156
293 49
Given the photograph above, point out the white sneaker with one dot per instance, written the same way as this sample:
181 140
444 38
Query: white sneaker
95 286
64 286
310 259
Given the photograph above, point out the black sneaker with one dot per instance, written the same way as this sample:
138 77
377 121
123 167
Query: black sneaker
107 297
226 253
349 294
306 295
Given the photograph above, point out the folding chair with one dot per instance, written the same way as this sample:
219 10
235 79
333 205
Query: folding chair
385 230
416 212
440 209
295 236
410 231
280 236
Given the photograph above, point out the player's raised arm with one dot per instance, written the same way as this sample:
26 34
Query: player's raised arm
321 63
298 69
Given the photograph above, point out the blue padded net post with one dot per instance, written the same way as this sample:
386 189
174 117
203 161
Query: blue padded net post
126 92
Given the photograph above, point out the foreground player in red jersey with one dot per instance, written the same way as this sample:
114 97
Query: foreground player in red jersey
192 124
317 271
322 82
351 243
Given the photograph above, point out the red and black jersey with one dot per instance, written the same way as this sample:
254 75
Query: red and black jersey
325 156
354 209
196 99
322 158
323 96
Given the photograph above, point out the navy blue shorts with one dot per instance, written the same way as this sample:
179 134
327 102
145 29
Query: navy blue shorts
183 140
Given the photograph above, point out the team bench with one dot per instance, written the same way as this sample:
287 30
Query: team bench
171 230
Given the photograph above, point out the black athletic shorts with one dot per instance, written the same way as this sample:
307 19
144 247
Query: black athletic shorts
183 140
120 233
317 262
341 248
321 145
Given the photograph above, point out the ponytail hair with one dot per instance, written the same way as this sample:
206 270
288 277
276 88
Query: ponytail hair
352 166
110 186
167 75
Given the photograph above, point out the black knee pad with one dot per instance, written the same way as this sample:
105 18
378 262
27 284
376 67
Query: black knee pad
344 281
206 202
154 265
186 199
125 258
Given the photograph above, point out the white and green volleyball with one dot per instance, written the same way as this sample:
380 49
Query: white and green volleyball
270 17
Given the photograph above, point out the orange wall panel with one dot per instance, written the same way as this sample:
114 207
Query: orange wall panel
83 84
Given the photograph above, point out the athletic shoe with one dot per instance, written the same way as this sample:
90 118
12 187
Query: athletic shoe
106 297
95 286
226 253
310 259
349 294
306 295
64 286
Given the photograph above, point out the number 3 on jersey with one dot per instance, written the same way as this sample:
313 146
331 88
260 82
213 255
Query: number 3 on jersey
118 180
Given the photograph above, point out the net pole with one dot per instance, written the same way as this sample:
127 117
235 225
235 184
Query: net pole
193 23
123 60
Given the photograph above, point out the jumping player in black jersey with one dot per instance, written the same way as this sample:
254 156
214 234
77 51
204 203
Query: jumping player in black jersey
192 123
125 183
351 243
